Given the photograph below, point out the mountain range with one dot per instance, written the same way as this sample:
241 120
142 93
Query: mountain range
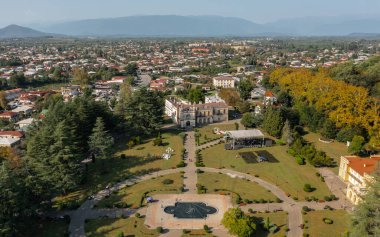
15 31
199 26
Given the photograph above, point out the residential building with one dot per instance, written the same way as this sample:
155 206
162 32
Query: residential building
223 82
9 141
357 173
213 99
269 98
24 110
9 116
71 91
24 124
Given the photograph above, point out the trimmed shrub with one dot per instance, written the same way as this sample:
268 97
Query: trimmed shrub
159 229
308 188
328 221
181 164
300 160
168 181
120 234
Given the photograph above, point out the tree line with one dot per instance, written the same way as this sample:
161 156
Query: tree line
50 164
330 105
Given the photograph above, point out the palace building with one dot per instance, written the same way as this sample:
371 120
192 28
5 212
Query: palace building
357 173
186 114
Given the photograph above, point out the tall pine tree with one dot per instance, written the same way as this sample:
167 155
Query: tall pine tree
100 142
66 157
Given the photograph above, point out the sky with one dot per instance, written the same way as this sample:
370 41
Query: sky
31 12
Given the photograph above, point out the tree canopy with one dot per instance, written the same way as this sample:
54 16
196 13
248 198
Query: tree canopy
238 223
366 215
342 103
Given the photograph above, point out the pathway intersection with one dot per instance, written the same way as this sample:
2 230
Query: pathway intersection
292 207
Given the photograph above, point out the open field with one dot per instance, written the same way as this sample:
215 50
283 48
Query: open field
221 183
334 149
279 218
133 196
136 162
207 132
139 152
51 86
316 226
282 169
111 227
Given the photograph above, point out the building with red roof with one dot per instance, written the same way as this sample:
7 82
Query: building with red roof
357 172
10 116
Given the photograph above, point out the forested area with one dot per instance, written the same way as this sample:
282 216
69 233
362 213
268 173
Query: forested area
335 108
50 162
365 74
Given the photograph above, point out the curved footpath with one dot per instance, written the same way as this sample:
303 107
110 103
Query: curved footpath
294 208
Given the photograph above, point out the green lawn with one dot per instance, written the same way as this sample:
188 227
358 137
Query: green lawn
279 218
334 149
136 163
221 183
284 172
139 152
317 228
133 196
207 132
51 86
111 227
46 228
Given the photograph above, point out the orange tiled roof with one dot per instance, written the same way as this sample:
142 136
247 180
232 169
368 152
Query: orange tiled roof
269 94
363 165
11 133
8 114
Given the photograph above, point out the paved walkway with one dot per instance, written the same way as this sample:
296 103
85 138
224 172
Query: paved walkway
190 177
86 211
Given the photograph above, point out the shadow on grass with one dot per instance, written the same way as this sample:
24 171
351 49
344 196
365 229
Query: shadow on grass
249 157
252 157
271 158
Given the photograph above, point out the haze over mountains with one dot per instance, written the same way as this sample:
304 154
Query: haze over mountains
200 26
15 31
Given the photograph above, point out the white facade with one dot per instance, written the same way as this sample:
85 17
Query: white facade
223 82
191 115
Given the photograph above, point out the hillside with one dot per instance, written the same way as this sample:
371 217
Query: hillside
15 31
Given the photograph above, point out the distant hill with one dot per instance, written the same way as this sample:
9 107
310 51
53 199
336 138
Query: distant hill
326 26
167 25
15 31
202 26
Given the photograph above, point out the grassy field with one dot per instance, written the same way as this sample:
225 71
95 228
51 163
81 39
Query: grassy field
220 183
111 227
316 227
139 152
279 218
334 149
282 169
132 196
51 86
53 228
136 162
197 233
207 132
